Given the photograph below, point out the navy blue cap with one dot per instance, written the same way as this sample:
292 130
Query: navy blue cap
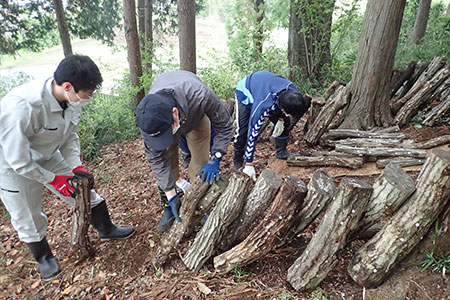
154 118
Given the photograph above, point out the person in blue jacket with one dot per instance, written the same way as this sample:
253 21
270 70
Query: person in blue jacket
263 95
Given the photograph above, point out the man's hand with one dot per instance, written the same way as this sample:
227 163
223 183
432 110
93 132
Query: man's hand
210 170
250 171
63 184
175 204
82 172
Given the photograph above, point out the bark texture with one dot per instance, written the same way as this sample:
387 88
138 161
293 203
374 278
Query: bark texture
326 161
373 262
339 219
227 209
63 28
263 238
186 35
257 203
81 220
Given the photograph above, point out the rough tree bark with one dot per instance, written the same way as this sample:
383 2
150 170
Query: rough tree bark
186 35
370 84
321 189
392 188
373 262
352 162
400 161
420 26
171 240
227 209
382 152
266 234
256 204
133 49
340 218
81 219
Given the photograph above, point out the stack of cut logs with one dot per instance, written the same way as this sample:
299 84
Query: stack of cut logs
247 220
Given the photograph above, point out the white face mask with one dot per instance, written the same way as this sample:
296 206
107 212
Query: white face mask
80 103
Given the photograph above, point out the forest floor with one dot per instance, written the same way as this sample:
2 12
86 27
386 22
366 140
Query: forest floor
122 269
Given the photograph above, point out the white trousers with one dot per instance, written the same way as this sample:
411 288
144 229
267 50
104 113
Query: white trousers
22 198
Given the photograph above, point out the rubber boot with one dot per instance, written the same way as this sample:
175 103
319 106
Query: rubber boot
186 158
280 148
238 161
106 229
47 263
168 217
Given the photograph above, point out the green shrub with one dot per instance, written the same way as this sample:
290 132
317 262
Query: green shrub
7 83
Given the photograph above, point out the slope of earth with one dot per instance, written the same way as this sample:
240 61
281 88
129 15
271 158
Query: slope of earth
122 269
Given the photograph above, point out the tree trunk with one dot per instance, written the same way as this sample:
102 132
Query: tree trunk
227 209
321 189
258 36
186 35
390 191
309 39
340 218
352 162
256 205
373 262
370 85
382 152
421 21
171 240
148 37
133 49
81 219
141 23
266 234
63 28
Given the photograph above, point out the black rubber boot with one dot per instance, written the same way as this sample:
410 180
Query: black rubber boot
280 149
168 217
106 229
238 161
47 263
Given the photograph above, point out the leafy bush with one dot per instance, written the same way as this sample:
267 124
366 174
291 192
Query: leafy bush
7 83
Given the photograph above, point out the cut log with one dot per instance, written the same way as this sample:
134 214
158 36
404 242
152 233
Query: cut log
81 219
374 142
207 202
171 240
326 161
257 203
384 152
321 189
330 91
419 69
224 213
411 107
400 161
373 262
392 188
433 143
340 217
400 81
326 115
440 109
391 129
314 110
352 133
330 153
267 233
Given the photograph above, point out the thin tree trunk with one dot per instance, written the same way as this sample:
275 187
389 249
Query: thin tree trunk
421 21
141 23
258 36
148 36
133 49
63 28
186 35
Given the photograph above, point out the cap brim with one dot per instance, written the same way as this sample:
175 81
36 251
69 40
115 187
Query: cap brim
161 141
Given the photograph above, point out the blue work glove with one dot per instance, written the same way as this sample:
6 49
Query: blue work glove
210 170
175 204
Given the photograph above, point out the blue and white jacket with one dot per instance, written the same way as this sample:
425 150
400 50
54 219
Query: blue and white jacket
260 90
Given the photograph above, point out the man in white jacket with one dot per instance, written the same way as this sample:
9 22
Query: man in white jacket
39 147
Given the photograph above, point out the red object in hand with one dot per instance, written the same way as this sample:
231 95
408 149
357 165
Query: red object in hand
63 185
82 172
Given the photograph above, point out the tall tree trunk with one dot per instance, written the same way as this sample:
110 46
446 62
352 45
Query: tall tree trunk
63 28
447 13
141 23
148 36
258 36
134 53
186 35
369 88
421 21
309 38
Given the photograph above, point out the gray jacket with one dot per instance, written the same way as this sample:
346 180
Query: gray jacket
194 99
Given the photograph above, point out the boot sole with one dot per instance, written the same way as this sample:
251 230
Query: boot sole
53 277
118 238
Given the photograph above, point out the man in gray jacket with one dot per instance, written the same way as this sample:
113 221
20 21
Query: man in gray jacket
39 147
179 103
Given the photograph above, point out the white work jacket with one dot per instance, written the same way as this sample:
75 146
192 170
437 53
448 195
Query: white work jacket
34 129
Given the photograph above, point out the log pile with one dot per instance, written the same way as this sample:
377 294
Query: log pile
250 220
